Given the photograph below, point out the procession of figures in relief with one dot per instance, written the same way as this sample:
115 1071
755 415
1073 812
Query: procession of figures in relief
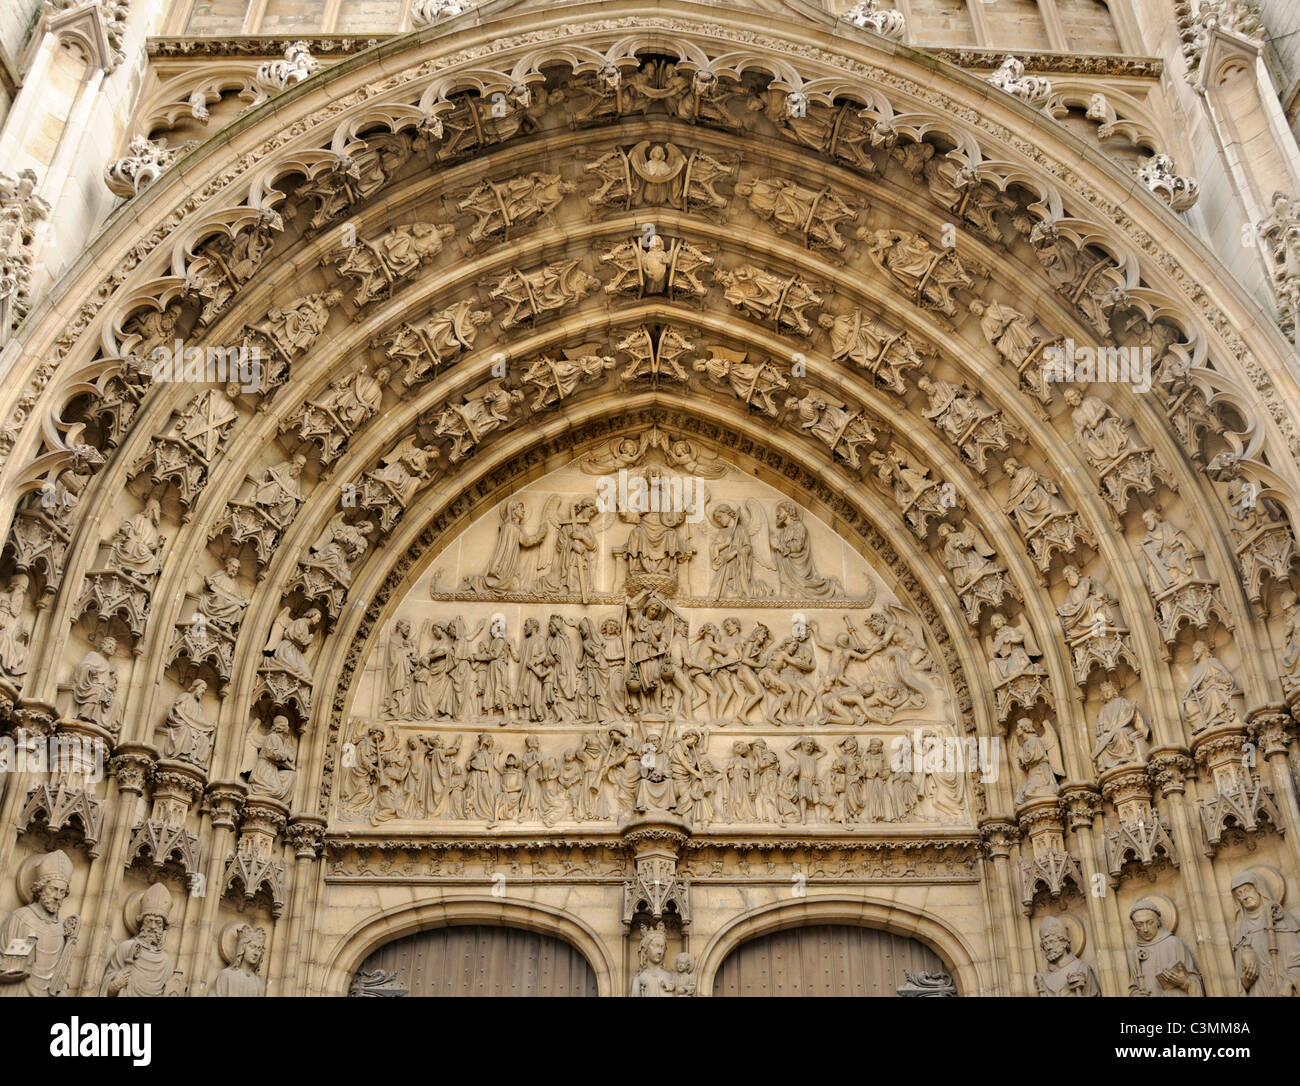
584 657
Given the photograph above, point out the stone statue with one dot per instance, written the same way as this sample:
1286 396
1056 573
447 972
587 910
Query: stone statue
1066 974
928 276
189 732
1039 757
507 570
1209 699
792 555
14 631
1160 964
273 769
399 662
35 945
1122 731
652 979
1265 936
242 947
139 966
94 688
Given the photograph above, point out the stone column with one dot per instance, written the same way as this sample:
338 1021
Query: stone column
999 834
222 805
1170 767
1272 730
306 835
1082 806
129 769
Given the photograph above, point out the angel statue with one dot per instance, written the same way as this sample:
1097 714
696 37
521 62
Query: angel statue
1014 651
792 554
575 547
506 569
290 638
731 552
1039 756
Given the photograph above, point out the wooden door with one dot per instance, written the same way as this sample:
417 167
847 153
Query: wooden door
483 961
824 960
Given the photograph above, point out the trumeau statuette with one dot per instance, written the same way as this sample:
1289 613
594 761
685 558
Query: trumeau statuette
816 214
928 276
1061 940
94 688
139 966
1122 731
887 356
242 947
423 346
189 732
1038 753
530 295
968 420
1265 936
652 979
35 945
1160 963
379 264
497 206
756 383
1211 696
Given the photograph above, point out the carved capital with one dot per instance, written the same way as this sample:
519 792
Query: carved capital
131 766
306 835
223 802
1169 767
1271 728
998 835
1082 804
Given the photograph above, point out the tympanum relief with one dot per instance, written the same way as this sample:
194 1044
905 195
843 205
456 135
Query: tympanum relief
622 638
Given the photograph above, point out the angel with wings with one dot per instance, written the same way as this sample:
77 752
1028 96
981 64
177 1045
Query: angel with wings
575 548
290 638
1014 651
731 551
556 380
1038 753
506 569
